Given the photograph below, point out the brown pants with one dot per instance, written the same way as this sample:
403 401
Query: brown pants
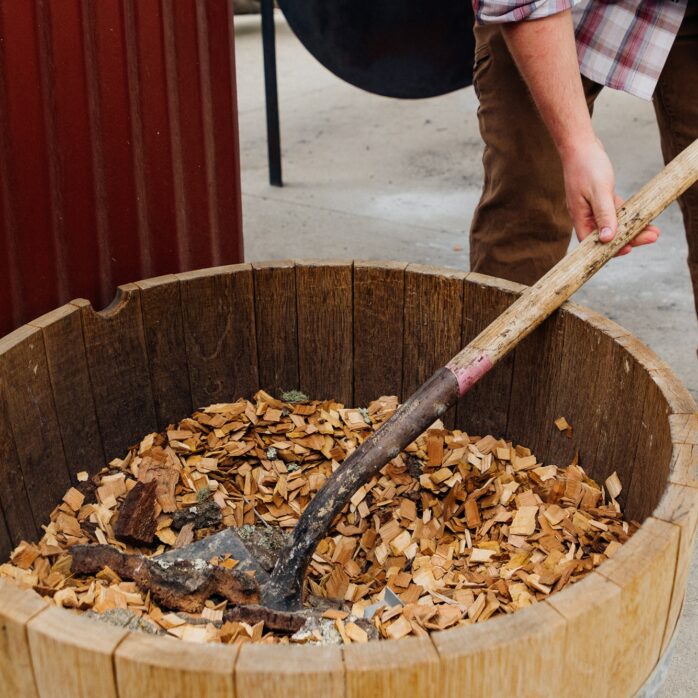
521 227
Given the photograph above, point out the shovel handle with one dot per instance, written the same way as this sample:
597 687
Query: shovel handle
537 302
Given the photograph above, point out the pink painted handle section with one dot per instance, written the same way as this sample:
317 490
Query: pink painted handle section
468 375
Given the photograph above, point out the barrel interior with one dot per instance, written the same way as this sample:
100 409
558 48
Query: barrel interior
78 387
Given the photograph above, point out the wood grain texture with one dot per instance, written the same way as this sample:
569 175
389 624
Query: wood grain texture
640 351
607 326
29 399
580 395
679 506
73 655
282 671
484 409
17 512
601 392
591 609
684 461
653 455
535 380
118 365
161 310
669 415
517 655
675 392
5 538
168 668
325 329
16 609
432 325
407 667
624 413
379 289
72 390
684 428
277 325
219 331
685 464
644 570
684 435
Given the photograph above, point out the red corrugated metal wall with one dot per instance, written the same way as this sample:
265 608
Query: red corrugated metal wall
118 147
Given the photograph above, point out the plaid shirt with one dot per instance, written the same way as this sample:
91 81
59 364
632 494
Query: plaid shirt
620 43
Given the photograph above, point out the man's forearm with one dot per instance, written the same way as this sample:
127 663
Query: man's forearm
545 52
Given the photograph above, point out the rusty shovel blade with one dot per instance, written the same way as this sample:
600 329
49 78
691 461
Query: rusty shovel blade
216 545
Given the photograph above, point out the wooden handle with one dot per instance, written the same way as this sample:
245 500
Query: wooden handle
573 271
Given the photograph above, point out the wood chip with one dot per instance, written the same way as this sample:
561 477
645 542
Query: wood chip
74 499
400 628
613 485
562 424
524 523
355 633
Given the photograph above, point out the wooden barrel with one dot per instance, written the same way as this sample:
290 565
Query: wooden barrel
79 387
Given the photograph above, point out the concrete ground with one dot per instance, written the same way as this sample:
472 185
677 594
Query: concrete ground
377 178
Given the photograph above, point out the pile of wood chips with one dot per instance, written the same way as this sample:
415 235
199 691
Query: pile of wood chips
459 527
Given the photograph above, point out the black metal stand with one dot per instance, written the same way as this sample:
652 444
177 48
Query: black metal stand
272 96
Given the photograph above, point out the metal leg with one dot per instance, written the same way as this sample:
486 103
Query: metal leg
272 97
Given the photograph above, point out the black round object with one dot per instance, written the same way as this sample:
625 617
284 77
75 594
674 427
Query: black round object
396 48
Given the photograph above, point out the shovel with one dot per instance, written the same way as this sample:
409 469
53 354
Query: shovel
281 592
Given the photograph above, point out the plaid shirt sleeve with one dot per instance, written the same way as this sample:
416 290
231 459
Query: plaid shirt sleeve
500 11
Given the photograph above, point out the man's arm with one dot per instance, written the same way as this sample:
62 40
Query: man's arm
545 52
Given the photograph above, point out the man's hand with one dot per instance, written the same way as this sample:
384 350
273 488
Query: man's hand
591 197
544 50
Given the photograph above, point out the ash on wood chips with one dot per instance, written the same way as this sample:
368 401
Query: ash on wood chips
455 530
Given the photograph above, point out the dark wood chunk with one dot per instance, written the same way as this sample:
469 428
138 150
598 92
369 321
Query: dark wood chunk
203 515
165 476
185 585
137 517
181 585
92 559
278 621
264 544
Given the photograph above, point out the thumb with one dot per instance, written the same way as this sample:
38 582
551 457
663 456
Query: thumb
605 217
